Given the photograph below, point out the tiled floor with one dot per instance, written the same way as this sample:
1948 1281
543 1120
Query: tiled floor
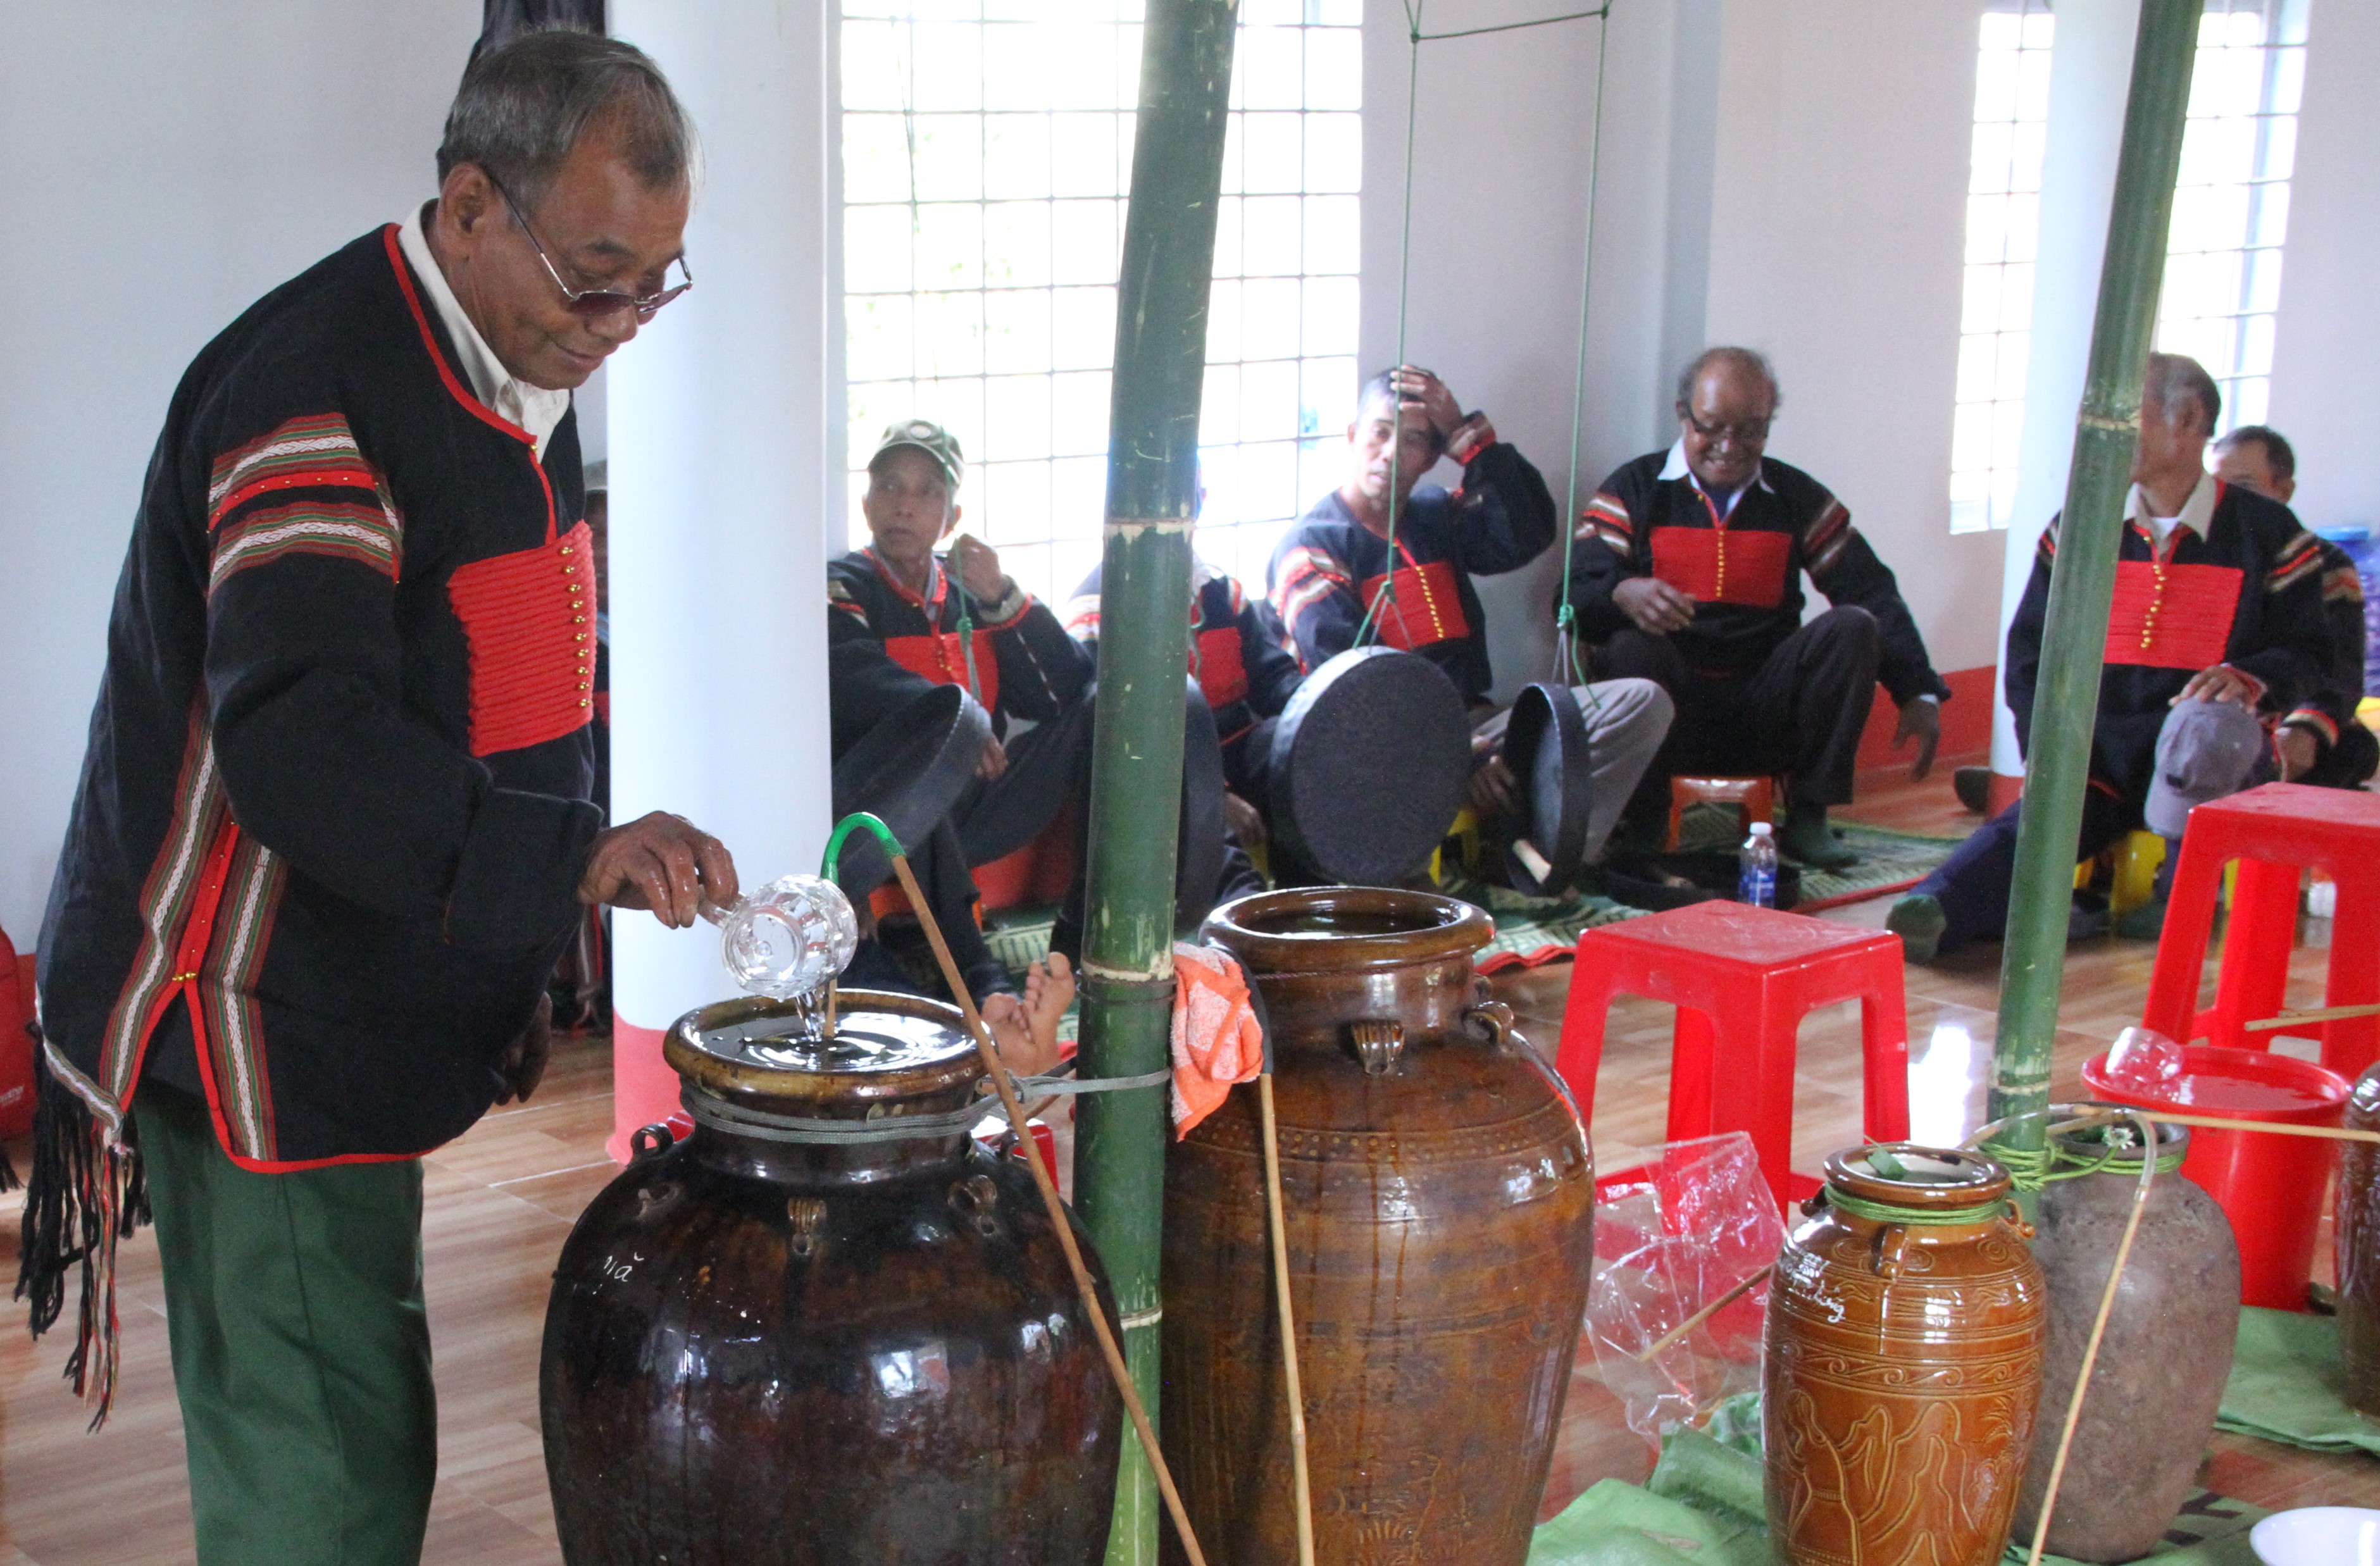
501 1198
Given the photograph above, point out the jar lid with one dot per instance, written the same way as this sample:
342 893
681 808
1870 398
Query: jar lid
885 1047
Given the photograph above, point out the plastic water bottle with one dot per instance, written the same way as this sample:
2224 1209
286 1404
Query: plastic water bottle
1757 876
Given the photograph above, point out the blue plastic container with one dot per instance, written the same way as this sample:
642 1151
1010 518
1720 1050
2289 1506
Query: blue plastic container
2356 540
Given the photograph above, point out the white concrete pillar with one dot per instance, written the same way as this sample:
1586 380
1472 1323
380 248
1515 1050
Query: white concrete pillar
2090 76
721 460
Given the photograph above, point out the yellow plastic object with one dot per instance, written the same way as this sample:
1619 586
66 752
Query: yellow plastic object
1466 827
2367 712
2137 859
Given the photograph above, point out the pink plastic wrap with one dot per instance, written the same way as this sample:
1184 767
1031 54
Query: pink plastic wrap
1672 1237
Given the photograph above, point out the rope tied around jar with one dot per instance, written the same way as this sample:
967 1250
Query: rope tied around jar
2030 1169
1893 1212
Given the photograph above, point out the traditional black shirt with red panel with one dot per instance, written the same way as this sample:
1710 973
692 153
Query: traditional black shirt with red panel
887 644
1742 567
1244 675
1330 568
2246 591
330 828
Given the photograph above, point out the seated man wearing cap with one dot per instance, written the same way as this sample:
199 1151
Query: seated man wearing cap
1335 581
2320 742
2218 626
903 620
1687 569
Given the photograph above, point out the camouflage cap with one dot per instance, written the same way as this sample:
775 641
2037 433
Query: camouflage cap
928 437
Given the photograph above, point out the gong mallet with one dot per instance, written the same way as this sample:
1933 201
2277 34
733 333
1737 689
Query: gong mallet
1117 1368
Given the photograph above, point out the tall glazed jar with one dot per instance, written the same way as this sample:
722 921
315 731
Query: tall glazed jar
1902 1368
774 1344
2163 1358
1440 1196
2357 1238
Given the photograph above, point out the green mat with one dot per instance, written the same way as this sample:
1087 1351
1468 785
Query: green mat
1888 859
1703 1507
2285 1385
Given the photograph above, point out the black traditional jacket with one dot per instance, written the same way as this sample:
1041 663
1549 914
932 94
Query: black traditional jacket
886 646
1743 571
334 814
1244 675
1330 569
2325 710
2249 594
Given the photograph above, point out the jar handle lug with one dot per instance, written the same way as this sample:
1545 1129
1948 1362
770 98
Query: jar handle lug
1884 1259
1490 1022
651 1142
1379 1044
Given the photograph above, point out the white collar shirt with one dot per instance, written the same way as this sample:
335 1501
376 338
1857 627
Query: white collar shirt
1676 469
2197 512
534 409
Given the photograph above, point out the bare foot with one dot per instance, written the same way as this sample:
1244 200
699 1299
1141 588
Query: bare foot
1048 990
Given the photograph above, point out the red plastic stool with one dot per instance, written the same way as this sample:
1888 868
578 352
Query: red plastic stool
2270 1187
1743 978
2273 831
1754 800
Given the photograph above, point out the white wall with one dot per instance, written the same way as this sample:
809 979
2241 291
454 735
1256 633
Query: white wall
161 165
1763 181
2330 306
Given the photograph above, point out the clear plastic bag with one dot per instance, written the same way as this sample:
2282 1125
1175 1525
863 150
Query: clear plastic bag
1673 1236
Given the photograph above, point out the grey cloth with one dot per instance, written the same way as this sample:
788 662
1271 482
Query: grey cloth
1626 720
2206 750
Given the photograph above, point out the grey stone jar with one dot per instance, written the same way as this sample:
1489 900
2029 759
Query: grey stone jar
2160 1376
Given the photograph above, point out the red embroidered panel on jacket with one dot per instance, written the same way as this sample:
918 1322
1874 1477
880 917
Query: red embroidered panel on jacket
2172 617
1215 658
1743 565
1427 608
942 659
530 617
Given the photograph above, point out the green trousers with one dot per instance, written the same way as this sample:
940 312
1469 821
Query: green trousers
301 1350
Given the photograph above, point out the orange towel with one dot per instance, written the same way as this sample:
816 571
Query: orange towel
1216 1039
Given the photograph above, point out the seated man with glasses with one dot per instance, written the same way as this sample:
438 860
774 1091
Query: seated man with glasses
1687 571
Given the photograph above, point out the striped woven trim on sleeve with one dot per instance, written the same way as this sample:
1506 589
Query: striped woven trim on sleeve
2047 549
2341 584
1606 519
368 535
2315 719
1824 536
1308 577
2299 559
317 451
1081 617
839 597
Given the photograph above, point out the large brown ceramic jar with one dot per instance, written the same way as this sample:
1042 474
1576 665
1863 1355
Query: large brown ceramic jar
2164 1357
772 1352
1440 1206
2357 1236
1904 1365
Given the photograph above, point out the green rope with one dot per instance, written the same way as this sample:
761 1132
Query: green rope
1892 1212
2031 1168
832 860
1566 667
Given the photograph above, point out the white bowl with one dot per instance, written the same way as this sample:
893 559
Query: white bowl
2318 1536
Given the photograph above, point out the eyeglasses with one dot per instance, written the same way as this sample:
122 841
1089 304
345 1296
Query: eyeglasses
596 303
1750 432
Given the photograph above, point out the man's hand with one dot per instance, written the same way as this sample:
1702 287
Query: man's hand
1420 389
1243 821
661 863
1656 607
2298 750
1494 790
979 568
1922 721
522 1065
994 760
2222 683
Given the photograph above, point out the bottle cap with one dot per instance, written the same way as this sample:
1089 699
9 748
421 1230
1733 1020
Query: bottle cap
1761 829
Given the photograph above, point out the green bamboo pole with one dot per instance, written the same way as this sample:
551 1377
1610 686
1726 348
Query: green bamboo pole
1161 365
2081 586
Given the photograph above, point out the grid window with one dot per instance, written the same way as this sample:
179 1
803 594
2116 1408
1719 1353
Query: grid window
2231 203
987 159
2003 224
